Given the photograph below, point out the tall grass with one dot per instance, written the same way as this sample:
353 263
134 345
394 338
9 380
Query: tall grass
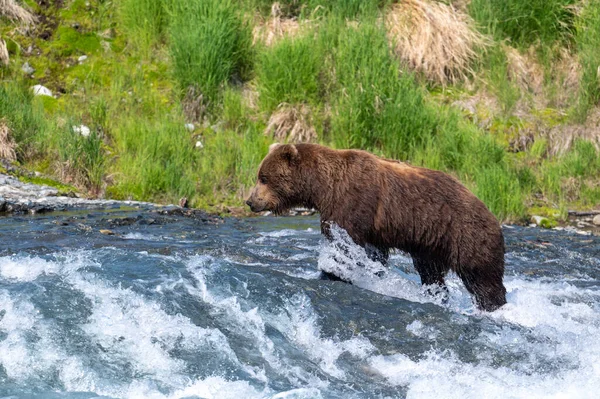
588 44
156 159
25 117
210 45
228 165
289 72
571 177
374 105
525 22
144 21
308 8
82 158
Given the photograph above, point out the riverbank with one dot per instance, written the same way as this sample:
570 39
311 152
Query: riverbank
23 198
154 101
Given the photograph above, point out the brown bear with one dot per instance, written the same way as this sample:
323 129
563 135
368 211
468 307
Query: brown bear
385 204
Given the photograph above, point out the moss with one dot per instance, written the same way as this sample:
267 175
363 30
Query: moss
544 211
50 104
70 41
551 117
46 181
548 223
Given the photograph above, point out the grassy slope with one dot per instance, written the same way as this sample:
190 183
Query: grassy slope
133 91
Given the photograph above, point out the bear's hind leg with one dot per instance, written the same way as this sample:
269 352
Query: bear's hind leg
487 288
432 275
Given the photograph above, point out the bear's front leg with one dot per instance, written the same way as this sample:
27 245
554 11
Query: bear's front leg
343 245
432 276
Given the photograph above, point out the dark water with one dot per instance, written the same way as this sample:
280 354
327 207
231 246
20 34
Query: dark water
170 307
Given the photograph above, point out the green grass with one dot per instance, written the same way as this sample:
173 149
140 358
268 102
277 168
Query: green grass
25 117
374 105
227 165
588 43
289 72
144 55
210 45
81 157
525 22
144 21
157 159
312 8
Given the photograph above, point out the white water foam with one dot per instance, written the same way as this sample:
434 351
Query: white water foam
129 329
545 321
300 326
343 258
565 321
298 322
248 323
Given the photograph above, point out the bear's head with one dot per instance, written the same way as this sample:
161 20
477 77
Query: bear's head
278 186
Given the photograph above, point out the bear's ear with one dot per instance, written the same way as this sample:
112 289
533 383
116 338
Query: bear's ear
289 152
273 146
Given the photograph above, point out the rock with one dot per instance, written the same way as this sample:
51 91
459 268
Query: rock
39 90
82 58
83 130
199 144
190 127
596 220
27 69
107 232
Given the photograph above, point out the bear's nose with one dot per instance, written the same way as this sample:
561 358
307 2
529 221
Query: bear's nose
249 203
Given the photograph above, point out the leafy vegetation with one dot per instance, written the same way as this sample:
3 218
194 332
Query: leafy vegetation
177 96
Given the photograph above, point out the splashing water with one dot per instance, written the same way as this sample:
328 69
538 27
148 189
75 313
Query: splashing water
171 308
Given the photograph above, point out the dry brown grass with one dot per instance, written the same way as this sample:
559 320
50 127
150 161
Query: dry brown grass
7 144
13 11
194 106
561 137
524 70
291 124
434 39
4 58
276 27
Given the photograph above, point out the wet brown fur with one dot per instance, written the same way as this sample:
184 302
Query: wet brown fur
389 204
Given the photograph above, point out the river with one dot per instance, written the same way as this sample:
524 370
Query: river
160 306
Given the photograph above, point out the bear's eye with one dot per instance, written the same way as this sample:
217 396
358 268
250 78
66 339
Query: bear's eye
262 179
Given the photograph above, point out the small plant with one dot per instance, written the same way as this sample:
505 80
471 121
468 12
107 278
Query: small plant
82 158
